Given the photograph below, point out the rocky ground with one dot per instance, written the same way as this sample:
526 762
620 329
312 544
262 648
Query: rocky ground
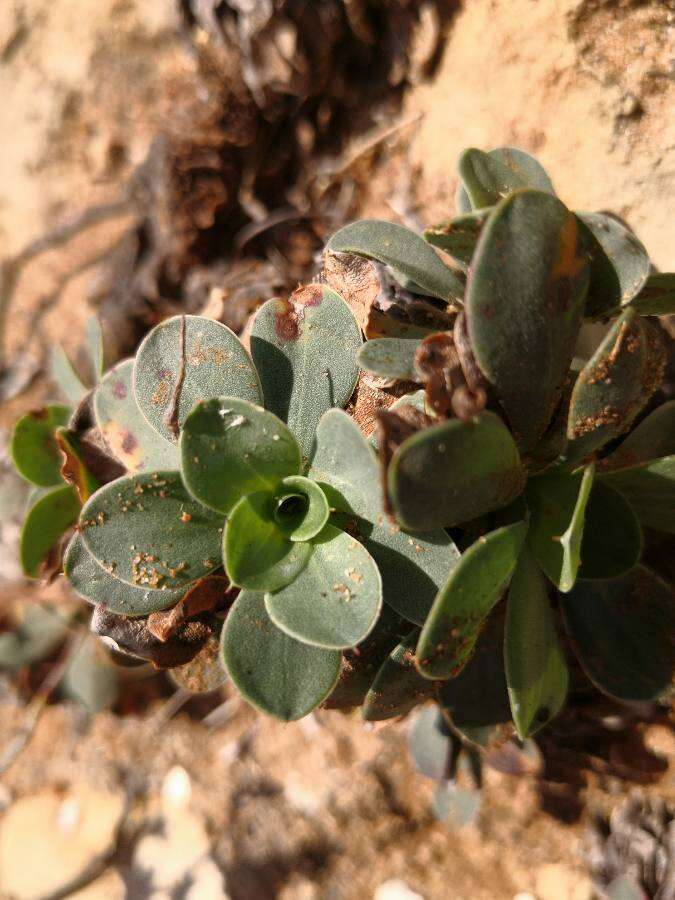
209 800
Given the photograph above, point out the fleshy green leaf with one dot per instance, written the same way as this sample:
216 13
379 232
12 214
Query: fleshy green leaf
487 177
614 385
653 438
612 542
399 247
650 491
414 566
208 354
524 305
46 521
619 263
94 338
390 357
230 448
398 687
65 376
476 702
302 509
275 673
657 297
202 674
305 351
536 671
459 236
35 453
453 472
336 599
343 460
90 581
258 554
131 440
622 630
557 504
149 532
361 664
475 584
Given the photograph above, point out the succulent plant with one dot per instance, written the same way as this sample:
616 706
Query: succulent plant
491 525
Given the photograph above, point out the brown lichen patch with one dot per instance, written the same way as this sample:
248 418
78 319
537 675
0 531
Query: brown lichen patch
199 354
161 393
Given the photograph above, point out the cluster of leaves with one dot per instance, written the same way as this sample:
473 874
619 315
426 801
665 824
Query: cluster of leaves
232 518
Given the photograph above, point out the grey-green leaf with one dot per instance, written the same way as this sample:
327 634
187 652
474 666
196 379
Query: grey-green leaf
557 503
524 305
612 542
230 447
131 440
657 297
336 599
305 351
453 472
414 566
488 177
614 385
399 247
398 687
619 263
65 376
653 438
211 359
94 338
275 673
90 581
390 357
343 460
650 491
536 670
150 532
622 630
475 584
459 236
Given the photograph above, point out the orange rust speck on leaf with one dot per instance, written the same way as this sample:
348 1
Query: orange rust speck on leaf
185 517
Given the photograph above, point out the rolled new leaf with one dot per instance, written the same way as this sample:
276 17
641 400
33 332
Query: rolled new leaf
149 532
34 449
619 263
650 491
335 600
488 177
399 247
305 351
622 631
475 584
524 305
130 438
398 687
536 670
275 673
230 448
453 472
186 359
50 516
614 385
92 582
258 554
